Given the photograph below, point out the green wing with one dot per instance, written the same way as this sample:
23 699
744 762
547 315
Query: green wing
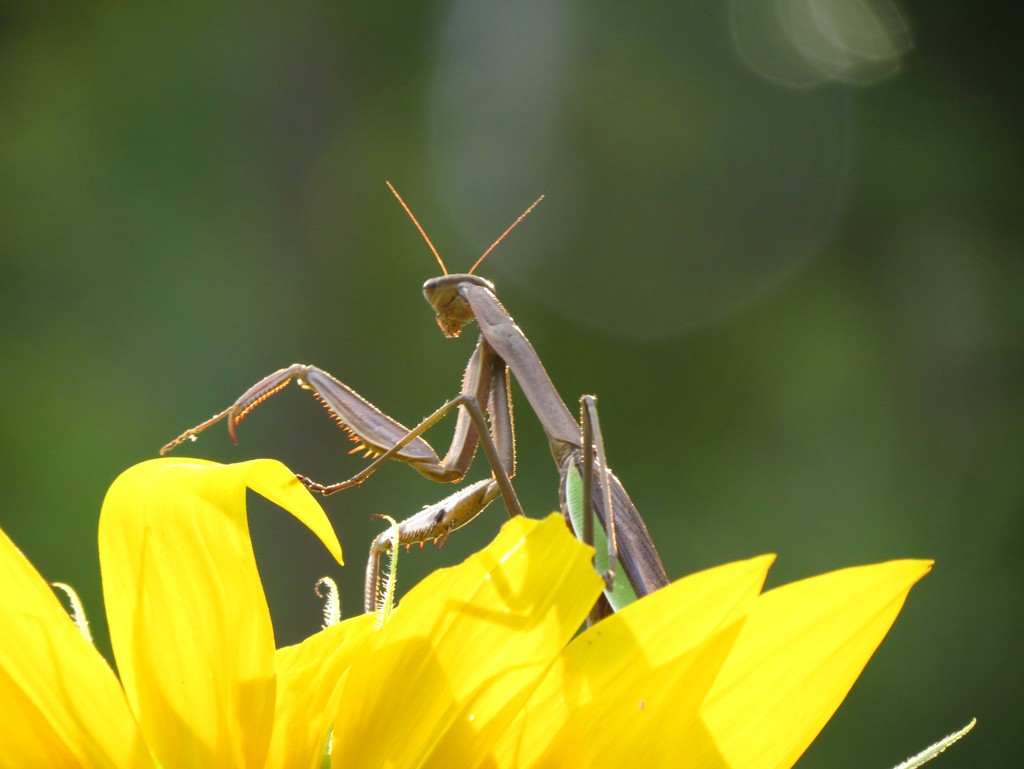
622 593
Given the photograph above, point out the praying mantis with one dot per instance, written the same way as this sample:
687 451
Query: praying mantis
484 417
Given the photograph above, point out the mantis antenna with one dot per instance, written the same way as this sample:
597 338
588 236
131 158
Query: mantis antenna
434 250
418 226
506 232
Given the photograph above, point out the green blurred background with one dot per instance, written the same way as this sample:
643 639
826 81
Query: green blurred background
783 250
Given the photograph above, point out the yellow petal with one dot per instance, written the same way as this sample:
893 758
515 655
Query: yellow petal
798 654
443 678
308 691
628 691
62 705
188 619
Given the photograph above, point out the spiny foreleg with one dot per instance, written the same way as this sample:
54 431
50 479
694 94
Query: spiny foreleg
431 524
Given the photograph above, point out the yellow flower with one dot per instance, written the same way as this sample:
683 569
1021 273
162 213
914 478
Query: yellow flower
479 666
188 622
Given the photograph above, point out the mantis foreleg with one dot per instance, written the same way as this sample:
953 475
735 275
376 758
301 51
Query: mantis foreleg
433 523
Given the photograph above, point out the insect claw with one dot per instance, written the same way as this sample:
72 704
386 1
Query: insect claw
609 579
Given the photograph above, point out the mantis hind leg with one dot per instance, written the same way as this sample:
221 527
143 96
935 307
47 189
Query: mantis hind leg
594 459
589 491
576 491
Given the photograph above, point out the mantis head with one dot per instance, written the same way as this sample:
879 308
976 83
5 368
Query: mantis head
446 297
445 293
